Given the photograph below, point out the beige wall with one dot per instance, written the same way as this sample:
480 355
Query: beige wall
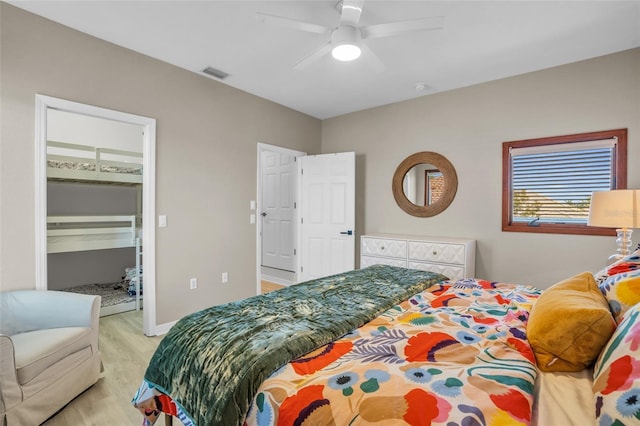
207 135
468 126
206 156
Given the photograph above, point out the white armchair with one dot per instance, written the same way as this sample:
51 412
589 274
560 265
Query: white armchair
48 352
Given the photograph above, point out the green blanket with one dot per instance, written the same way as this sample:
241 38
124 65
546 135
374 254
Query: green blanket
213 361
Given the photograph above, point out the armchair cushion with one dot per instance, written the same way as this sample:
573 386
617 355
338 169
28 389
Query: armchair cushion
38 350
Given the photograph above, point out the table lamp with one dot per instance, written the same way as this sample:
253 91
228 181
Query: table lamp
620 209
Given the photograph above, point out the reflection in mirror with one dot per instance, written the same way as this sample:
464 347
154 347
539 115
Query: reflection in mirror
424 184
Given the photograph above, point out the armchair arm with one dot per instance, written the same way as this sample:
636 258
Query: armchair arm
28 310
10 391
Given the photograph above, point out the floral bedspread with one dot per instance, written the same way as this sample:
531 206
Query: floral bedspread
454 354
212 362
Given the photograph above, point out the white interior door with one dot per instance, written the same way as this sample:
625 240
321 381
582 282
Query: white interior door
278 209
327 214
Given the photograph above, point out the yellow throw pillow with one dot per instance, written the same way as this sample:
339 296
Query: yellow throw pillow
569 324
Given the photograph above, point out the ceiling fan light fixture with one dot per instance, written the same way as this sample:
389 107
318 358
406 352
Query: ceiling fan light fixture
345 40
346 52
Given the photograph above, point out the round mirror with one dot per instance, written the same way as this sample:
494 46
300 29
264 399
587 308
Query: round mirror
424 184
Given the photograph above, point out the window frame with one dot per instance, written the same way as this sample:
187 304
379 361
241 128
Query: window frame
619 167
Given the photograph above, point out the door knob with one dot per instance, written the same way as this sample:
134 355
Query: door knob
349 232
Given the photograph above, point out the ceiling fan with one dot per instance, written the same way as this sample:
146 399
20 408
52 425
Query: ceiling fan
346 39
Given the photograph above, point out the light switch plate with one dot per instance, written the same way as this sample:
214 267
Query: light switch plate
162 221
252 204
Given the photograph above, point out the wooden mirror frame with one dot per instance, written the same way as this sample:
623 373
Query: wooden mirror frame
450 183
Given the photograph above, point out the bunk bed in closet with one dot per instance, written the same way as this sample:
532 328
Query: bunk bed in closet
76 163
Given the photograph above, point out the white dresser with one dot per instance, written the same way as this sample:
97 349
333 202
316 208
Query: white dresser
453 257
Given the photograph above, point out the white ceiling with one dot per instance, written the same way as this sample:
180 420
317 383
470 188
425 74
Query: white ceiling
480 41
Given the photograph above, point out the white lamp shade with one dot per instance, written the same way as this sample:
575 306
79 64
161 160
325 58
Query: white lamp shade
619 208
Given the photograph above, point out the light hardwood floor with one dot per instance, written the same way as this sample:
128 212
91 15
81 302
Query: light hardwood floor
267 286
126 351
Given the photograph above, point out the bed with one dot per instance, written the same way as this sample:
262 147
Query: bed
76 162
386 346
101 232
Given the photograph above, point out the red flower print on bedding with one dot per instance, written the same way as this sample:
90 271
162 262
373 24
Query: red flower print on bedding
438 289
424 408
620 376
423 346
486 284
308 406
622 267
321 358
443 300
522 347
514 403
501 300
417 408
166 404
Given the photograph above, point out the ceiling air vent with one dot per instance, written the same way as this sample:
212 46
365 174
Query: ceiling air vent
215 73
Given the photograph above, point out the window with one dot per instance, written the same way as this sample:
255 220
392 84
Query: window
547 183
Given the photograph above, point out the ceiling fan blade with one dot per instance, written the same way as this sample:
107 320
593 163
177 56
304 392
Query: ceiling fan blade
371 58
293 24
396 28
311 58
350 13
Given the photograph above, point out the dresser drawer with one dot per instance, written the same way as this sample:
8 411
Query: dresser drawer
454 273
437 252
369 260
384 247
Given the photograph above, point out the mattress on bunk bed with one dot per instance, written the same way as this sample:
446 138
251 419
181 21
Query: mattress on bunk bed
114 293
89 166
111 293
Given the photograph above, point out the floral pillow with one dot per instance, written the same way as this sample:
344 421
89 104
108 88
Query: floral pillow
620 283
616 375
626 264
622 291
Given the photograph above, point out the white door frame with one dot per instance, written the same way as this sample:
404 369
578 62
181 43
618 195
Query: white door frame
266 147
148 194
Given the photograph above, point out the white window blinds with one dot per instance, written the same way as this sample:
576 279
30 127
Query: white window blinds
553 183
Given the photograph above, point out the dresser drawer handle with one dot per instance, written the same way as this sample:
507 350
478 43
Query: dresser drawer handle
435 252
381 247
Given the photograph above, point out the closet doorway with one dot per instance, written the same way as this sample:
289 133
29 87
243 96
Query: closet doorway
276 214
95 205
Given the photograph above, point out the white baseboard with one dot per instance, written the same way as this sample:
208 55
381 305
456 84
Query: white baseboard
117 309
164 328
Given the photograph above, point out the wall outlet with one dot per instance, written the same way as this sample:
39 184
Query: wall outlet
225 277
193 283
